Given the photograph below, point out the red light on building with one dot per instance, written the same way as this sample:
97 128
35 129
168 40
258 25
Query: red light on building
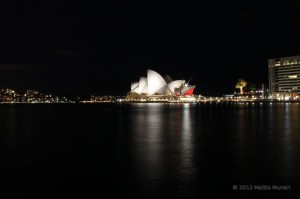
190 91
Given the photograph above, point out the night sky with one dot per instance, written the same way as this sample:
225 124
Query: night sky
97 47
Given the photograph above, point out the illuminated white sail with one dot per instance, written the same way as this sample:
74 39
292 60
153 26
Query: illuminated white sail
155 82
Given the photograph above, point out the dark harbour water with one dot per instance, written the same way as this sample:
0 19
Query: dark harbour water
149 150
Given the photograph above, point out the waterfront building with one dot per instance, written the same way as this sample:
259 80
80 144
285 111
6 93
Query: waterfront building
284 77
154 87
155 84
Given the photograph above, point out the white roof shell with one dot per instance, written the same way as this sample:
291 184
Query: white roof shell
173 85
145 89
155 82
142 84
163 90
134 86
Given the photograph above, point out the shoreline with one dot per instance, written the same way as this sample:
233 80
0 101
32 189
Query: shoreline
264 101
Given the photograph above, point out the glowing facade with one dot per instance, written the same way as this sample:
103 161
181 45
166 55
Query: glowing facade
173 85
155 84
134 86
142 84
284 76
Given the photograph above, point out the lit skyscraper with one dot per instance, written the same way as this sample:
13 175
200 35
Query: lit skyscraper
284 76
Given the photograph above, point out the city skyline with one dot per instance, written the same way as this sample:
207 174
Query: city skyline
86 48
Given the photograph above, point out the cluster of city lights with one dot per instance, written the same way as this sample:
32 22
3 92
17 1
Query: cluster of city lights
30 96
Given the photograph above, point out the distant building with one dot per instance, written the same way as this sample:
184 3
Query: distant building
155 85
284 77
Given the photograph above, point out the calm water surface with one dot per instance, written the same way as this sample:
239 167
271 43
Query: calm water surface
149 150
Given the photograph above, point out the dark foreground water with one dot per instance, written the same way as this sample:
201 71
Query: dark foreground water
149 150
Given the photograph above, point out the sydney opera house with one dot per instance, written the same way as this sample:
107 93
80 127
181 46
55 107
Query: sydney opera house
154 86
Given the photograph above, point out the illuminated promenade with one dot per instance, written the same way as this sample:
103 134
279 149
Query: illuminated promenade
188 99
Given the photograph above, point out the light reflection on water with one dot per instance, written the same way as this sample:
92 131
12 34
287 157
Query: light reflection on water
291 126
154 150
241 143
161 130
